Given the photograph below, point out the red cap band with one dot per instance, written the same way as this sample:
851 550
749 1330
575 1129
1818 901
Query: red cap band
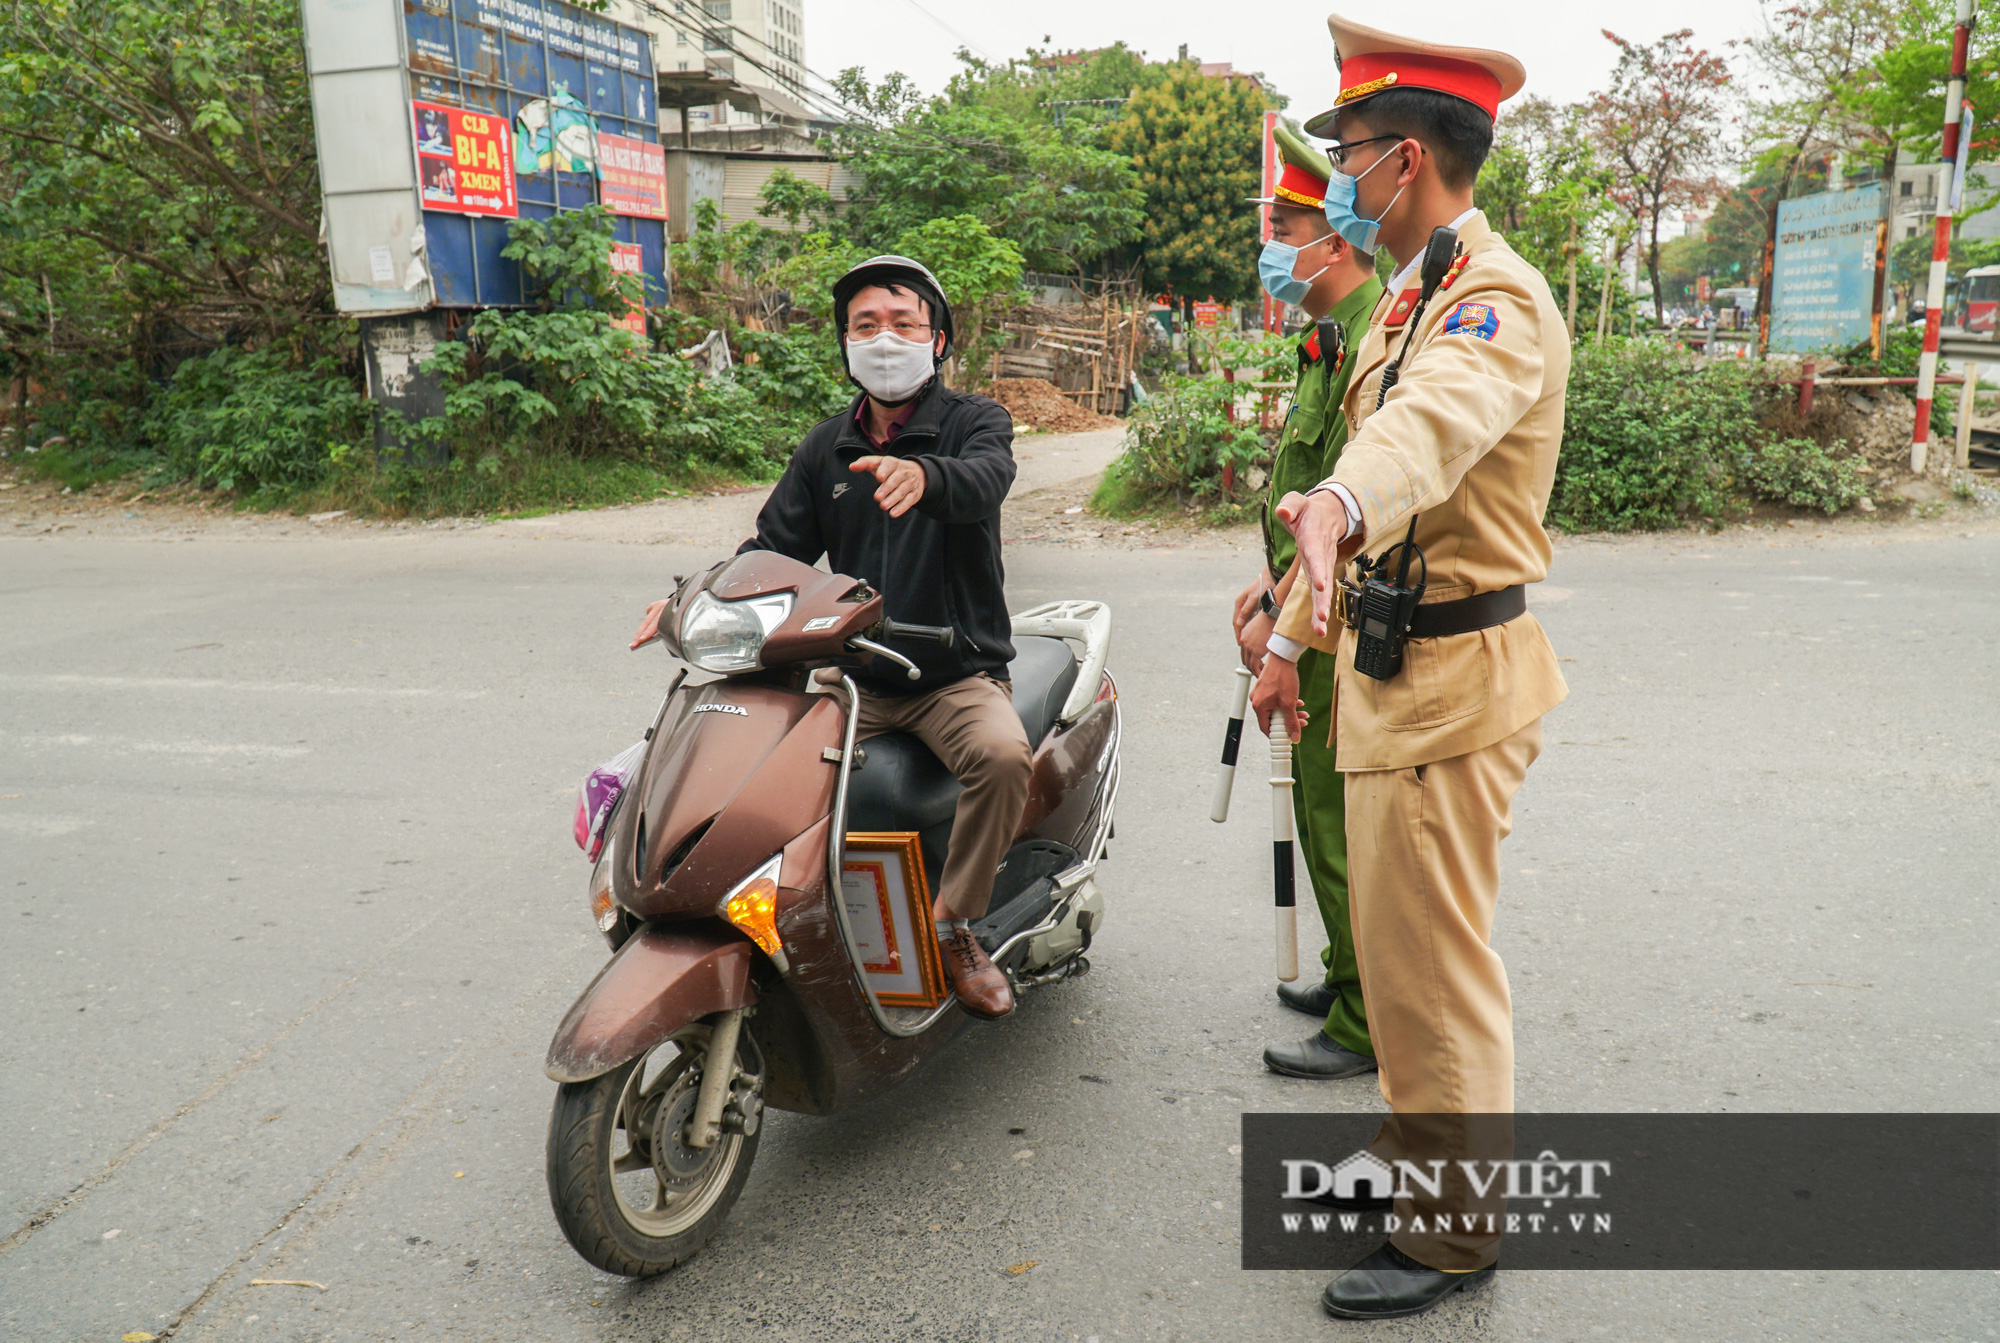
1376 72
1296 186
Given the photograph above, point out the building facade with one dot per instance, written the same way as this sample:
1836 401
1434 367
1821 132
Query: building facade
758 44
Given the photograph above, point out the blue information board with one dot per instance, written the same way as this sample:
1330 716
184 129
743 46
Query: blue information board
500 56
1823 270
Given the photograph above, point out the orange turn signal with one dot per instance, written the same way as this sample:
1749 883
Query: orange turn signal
604 910
754 909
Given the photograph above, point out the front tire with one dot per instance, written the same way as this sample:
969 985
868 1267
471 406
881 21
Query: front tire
632 1197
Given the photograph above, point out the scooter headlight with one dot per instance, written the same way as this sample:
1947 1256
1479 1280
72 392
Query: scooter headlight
726 637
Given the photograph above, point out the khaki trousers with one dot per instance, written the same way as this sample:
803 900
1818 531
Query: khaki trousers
1423 848
971 726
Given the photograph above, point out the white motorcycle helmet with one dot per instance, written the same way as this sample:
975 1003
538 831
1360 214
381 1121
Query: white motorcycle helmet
898 270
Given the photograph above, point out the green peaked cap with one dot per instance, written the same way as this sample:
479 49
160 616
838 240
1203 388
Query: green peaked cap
1302 171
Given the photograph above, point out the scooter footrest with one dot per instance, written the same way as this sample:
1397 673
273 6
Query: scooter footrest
1024 911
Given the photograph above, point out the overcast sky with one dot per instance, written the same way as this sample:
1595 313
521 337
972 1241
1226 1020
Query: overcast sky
1559 41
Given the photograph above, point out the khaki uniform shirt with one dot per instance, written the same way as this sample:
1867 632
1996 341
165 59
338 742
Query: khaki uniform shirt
1467 440
1315 430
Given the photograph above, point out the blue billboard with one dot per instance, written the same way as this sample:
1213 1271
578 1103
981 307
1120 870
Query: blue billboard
555 77
1823 270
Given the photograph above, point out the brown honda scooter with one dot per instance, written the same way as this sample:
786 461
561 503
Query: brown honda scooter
725 886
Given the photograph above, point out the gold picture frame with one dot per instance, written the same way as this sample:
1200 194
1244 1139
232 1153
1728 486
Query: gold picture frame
888 901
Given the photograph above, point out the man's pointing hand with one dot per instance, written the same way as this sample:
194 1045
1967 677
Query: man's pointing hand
902 482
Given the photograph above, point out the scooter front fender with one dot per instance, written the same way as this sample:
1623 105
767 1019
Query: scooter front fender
660 980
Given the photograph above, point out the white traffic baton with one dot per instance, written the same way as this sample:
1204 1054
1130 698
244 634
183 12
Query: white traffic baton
1284 888
1232 737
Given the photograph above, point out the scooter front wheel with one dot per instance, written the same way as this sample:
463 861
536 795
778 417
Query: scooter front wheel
631 1194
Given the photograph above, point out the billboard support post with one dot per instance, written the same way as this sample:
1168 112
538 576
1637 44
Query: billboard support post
1961 40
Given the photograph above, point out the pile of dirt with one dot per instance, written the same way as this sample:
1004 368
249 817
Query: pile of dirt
1036 403
1875 423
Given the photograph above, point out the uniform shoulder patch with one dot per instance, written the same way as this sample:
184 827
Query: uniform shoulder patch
1472 319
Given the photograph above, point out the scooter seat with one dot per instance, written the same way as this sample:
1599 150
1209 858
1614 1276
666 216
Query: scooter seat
903 786
1043 672
900 786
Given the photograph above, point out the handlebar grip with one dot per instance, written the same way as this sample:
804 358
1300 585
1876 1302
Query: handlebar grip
942 635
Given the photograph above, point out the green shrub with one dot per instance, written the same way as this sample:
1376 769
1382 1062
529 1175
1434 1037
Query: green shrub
1178 440
560 379
1803 473
89 424
238 420
1650 435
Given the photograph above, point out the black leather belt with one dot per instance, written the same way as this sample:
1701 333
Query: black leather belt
1434 620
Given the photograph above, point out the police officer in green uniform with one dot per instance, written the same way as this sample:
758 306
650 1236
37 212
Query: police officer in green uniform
1308 265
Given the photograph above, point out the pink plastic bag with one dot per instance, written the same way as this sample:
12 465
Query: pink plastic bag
599 794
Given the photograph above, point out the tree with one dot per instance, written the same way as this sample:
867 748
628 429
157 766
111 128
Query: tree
1897 95
1063 201
1067 89
1196 142
1545 189
158 197
1660 125
171 145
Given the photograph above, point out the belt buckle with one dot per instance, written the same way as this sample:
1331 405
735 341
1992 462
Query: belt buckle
1342 607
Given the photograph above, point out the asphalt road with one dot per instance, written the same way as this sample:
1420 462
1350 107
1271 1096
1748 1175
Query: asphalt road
291 909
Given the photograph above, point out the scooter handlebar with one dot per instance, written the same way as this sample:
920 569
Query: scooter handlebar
942 635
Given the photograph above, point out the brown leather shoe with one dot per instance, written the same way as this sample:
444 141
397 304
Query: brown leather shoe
982 990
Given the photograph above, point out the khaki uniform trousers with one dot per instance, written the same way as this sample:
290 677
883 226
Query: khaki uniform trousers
1423 849
971 726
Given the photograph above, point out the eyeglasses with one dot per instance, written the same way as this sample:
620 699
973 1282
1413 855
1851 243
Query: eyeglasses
906 329
1336 154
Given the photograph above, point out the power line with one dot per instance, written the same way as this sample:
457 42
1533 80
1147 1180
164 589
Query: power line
962 38
720 31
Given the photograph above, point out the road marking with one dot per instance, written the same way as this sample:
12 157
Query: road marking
252 750
62 681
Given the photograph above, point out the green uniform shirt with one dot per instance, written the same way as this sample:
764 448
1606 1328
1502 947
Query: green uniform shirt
1315 431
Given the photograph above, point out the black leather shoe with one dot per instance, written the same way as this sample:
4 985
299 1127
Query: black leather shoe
1315 1000
1317 1056
1389 1283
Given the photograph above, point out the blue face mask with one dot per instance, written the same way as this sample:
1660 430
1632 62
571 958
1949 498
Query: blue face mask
1340 200
1275 266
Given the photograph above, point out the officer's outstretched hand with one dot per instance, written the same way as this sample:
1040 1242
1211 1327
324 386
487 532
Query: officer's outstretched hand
1277 692
1319 522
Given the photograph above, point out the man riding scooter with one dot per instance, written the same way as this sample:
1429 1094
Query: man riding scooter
928 538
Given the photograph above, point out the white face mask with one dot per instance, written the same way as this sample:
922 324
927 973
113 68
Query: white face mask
890 368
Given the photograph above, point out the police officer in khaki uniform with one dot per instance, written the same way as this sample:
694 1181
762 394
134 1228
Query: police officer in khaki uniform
1465 444
1308 265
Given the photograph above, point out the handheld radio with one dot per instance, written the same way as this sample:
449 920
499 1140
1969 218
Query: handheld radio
1381 610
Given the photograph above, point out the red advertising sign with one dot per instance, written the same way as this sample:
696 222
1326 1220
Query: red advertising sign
465 160
634 176
1207 316
628 259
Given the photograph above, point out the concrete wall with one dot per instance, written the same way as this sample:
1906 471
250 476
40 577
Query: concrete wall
735 182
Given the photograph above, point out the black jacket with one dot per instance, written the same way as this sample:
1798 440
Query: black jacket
942 557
